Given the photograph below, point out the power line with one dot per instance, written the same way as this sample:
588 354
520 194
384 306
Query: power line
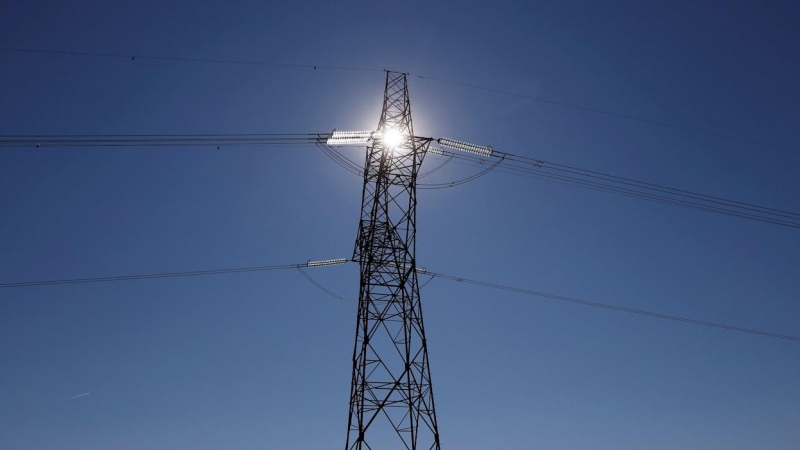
341 160
486 284
463 180
134 57
594 180
505 162
433 275
612 307
618 184
647 185
324 289
536 168
421 77
611 113
150 276
154 140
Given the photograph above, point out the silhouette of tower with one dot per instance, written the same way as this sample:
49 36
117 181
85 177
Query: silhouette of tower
391 396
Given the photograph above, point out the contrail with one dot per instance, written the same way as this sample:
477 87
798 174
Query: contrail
79 395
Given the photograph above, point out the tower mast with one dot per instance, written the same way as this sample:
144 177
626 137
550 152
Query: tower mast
391 386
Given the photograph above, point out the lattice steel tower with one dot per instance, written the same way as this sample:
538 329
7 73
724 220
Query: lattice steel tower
391 387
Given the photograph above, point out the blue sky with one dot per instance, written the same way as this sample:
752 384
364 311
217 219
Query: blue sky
262 360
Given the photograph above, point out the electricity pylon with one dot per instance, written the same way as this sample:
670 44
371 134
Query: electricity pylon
391 395
391 387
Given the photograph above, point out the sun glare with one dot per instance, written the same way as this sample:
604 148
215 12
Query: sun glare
392 138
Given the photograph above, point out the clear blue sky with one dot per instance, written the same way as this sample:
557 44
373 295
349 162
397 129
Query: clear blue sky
262 360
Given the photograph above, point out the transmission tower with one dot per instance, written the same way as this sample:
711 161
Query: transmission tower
391 387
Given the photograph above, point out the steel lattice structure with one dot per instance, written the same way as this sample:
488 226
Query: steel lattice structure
391 386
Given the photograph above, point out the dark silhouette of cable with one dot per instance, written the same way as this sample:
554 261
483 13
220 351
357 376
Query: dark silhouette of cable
173 135
651 186
504 162
32 141
150 276
340 159
431 274
538 163
461 181
609 113
792 222
324 289
596 187
339 297
352 167
435 169
613 307
133 57
524 166
422 286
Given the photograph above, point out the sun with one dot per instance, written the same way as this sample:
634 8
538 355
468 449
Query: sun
392 137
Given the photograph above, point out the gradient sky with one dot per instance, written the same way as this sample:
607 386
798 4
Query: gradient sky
262 360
